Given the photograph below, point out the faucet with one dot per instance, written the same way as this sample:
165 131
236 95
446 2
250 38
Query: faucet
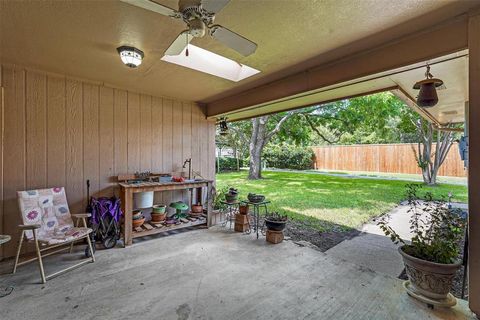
189 160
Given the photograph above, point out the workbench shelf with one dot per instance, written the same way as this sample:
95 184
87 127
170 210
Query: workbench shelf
148 228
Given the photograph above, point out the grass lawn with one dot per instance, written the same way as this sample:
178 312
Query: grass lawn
329 203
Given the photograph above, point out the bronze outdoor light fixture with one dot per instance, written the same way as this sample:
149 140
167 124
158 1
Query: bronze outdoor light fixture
223 126
427 97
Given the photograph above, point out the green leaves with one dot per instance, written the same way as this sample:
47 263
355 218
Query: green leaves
437 230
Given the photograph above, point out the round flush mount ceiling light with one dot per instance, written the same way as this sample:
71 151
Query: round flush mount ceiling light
131 57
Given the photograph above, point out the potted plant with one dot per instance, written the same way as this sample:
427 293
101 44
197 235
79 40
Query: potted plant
274 221
231 195
432 257
218 197
255 198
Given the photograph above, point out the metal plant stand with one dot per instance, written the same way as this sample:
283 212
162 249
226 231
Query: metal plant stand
5 292
231 209
256 216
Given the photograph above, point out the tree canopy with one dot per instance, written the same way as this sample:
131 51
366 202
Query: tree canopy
377 118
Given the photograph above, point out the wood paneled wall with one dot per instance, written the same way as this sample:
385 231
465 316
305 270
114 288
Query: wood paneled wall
61 131
395 158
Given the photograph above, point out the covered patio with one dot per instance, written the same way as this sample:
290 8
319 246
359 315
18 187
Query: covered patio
72 112
217 274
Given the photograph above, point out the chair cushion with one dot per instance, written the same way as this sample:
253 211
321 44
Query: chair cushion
46 207
64 236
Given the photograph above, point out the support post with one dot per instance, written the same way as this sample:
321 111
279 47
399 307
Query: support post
474 163
127 201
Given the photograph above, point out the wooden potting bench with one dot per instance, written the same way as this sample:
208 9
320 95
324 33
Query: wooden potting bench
128 189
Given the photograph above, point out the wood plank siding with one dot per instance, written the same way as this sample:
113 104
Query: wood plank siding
61 131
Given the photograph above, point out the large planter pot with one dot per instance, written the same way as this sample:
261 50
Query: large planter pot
429 279
275 225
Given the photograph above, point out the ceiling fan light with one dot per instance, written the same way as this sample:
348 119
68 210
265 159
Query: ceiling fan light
130 56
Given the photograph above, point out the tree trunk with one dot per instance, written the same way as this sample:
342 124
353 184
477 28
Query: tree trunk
255 171
430 161
257 142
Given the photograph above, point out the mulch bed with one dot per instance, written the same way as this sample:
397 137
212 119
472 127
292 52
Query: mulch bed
299 230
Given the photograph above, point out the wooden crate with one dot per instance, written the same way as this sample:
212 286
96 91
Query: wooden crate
274 236
241 218
241 227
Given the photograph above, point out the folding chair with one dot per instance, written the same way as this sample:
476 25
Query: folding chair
47 222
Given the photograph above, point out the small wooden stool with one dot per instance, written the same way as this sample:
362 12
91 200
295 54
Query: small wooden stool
274 236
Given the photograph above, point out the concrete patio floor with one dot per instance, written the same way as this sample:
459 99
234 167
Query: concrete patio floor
213 274
372 250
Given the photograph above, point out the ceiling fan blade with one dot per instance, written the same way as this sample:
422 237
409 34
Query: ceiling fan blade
179 44
153 6
233 40
214 6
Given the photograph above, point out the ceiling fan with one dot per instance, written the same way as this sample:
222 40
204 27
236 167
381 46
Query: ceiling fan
199 16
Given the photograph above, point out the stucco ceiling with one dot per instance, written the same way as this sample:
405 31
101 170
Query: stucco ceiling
79 38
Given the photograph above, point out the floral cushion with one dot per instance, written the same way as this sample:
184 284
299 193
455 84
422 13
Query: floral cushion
69 235
49 209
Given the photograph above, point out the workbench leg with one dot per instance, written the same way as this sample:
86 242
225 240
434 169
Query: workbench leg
127 213
209 203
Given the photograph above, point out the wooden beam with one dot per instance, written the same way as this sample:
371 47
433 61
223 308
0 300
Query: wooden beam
450 129
443 39
410 101
474 163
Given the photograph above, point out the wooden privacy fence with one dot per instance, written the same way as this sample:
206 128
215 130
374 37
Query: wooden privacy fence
394 158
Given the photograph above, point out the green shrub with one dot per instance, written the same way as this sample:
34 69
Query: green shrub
288 157
227 164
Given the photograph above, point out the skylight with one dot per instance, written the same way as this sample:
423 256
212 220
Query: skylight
205 61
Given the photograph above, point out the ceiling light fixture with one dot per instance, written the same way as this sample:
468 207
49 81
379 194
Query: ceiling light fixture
223 126
427 97
131 56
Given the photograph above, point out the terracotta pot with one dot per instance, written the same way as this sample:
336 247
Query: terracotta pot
158 217
197 208
244 209
430 279
138 222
